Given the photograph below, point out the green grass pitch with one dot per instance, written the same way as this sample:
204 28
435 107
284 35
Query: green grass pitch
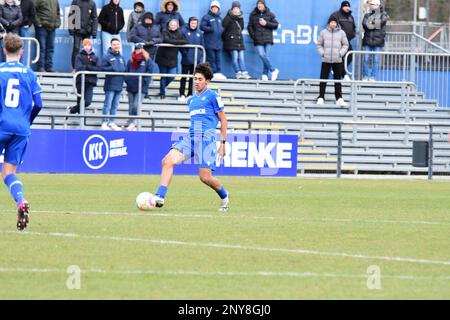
283 239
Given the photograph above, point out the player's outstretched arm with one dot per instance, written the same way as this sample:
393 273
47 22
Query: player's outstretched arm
223 133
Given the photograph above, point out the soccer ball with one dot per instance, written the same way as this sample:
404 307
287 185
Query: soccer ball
144 201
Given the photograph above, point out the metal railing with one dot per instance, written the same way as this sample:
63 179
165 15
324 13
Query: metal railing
429 71
196 47
410 42
125 74
408 92
27 48
339 130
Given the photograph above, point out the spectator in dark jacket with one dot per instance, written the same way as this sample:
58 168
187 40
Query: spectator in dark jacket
167 58
193 36
139 63
112 21
83 23
112 61
332 46
346 21
169 11
261 24
135 18
211 25
10 18
86 60
233 40
11 15
148 33
46 22
374 24
28 13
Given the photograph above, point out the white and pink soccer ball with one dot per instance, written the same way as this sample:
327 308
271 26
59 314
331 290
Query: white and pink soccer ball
145 201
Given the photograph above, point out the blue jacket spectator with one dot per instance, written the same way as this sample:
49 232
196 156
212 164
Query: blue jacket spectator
193 36
113 61
212 27
169 11
147 33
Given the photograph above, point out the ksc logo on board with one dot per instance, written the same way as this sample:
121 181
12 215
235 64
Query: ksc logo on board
97 150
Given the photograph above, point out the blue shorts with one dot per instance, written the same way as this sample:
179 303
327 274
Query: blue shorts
202 148
14 146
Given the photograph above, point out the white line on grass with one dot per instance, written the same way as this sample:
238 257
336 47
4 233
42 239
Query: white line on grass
224 273
230 216
229 246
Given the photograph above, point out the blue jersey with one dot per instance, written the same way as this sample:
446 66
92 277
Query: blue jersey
18 86
203 110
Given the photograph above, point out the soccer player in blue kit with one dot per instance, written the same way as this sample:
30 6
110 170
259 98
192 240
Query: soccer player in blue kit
206 110
20 103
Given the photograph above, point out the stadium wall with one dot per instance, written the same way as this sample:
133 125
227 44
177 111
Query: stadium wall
94 152
294 53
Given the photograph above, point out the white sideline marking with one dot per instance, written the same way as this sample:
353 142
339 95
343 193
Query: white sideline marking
225 273
229 246
230 216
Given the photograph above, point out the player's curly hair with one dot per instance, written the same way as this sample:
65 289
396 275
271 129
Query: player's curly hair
205 70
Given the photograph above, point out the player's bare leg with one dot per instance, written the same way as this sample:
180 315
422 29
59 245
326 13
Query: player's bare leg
172 158
205 175
23 215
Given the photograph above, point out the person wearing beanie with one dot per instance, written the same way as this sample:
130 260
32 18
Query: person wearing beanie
135 17
86 60
332 46
374 25
148 33
194 36
83 28
139 62
261 24
211 25
170 10
347 23
233 40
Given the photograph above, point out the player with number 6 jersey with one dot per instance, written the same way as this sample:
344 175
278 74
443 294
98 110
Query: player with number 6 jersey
20 103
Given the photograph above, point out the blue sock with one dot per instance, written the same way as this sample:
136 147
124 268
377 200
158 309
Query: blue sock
162 190
15 187
222 193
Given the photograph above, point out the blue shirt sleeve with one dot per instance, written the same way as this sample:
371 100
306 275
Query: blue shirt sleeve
217 103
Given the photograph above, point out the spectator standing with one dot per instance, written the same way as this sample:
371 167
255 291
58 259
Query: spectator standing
166 57
261 24
86 60
139 63
135 18
374 25
233 40
112 21
28 13
169 11
194 36
346 21
332 45
28 10
147 33
45 24
83 23
211 25
112 61
10 18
